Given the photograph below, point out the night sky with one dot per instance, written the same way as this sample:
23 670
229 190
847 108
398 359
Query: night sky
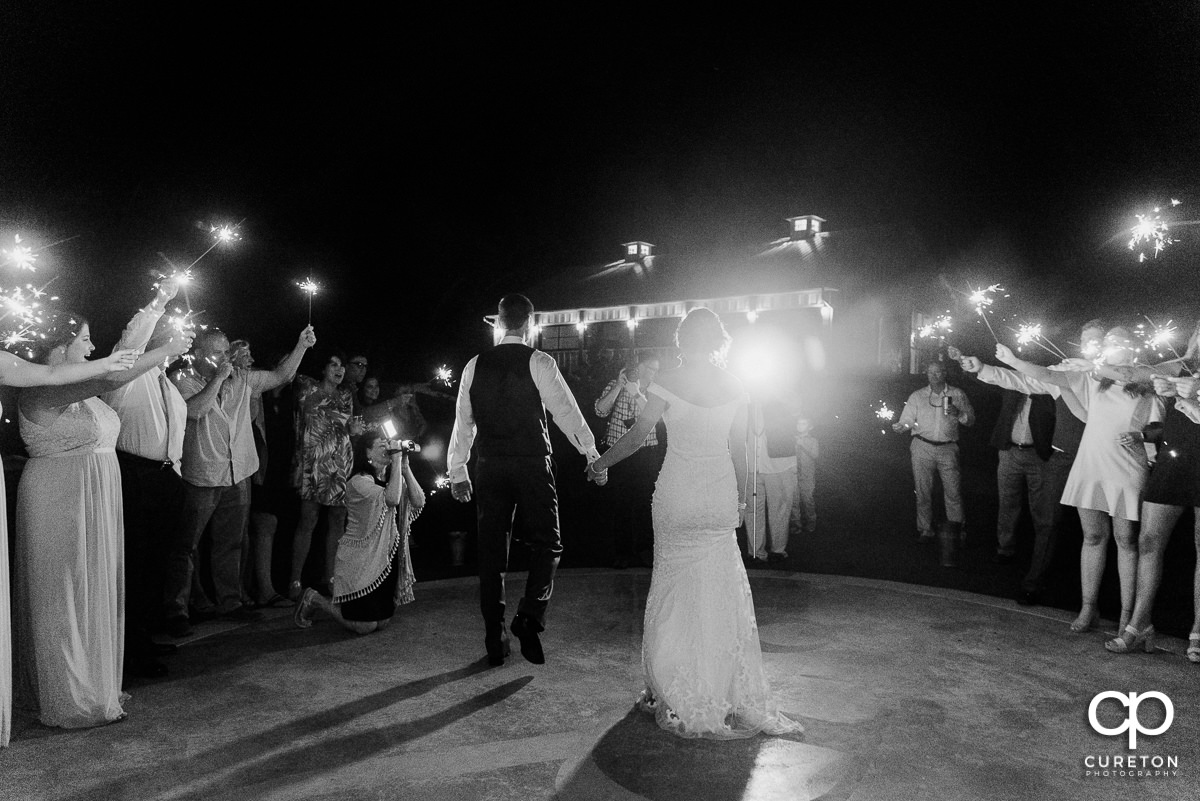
419 164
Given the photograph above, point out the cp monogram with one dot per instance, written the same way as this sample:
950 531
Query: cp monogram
1131 724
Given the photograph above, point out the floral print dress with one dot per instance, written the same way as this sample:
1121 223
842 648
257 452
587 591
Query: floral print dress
323 451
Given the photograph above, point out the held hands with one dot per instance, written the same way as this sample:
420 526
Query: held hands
461 490
1185 386
119 361
599 477
1163 387
307 337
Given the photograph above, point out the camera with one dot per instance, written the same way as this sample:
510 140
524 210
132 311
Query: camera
402 446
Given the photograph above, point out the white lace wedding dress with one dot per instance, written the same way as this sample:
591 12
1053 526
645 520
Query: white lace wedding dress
700 650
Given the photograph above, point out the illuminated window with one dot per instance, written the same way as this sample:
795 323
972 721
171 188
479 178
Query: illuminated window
800 225
644 250
631 250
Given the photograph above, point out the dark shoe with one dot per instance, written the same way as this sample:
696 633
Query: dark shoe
203 615
179 627
301 615
1003 559
497 647
776 558
1028 598
531 645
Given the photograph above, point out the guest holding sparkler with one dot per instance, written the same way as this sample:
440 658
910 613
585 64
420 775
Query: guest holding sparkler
322 465
1043 478
219 458
16 372
1110 469
149 450
933 415
374 571
1173 486
70 579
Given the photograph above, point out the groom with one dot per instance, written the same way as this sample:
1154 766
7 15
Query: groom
503 396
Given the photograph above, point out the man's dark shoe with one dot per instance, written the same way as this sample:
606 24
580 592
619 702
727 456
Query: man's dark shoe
531 645
497 647
179 627
1028 598
203 615
776 558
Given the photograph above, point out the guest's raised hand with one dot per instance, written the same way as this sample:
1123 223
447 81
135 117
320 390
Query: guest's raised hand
1163 386
308 337
1186 386
224 370
954 353
970 364
168 288
180 342
119 361
1004 353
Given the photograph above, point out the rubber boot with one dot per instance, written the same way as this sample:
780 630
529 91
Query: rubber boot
949 535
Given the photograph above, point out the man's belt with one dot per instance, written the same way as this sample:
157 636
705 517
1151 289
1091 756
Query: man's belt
1022 447
158 464
932 442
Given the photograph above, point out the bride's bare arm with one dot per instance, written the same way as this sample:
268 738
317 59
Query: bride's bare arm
737 449
634 437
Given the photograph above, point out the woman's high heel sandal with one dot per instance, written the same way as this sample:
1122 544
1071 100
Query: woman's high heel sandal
1193 651
1143 639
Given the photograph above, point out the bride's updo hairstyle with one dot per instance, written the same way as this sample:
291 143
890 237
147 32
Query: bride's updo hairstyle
700 333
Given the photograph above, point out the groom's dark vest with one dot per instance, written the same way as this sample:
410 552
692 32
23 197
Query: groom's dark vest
510 419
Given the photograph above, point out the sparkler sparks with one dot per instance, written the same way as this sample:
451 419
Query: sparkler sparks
20 256
884 415
1031 334
1151 232
443 375
225 233
942 325
981 299
310 288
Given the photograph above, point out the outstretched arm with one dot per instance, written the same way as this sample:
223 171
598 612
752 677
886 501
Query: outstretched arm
1034 371
628 444
737 449
16 372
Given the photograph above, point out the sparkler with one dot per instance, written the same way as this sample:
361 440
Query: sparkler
440 483
20 256
443 375
1157 336
222 235
1031 334
1152 231
981 299
942 325
884 414
309 287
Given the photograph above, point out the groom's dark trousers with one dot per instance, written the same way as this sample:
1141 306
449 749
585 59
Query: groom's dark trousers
503 484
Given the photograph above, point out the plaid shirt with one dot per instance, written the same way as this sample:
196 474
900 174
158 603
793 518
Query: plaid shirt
623 413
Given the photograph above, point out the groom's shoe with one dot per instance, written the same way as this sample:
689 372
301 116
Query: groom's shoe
497 647
526 630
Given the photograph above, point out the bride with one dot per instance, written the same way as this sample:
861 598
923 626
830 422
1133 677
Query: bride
700 649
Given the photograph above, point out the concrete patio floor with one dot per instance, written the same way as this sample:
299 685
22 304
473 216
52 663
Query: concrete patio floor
906 692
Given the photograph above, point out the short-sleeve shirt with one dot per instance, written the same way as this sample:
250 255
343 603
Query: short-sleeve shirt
218 448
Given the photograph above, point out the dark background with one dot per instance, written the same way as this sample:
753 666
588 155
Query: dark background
418 164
